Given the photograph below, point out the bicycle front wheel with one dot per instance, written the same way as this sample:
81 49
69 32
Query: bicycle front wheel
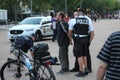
45 73
9 71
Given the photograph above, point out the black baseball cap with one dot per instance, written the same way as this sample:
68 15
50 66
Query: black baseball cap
34 35
82 10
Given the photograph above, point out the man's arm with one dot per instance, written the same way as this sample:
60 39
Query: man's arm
70 36
101 71
91 36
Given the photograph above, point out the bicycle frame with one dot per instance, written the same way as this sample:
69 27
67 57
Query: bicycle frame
21 57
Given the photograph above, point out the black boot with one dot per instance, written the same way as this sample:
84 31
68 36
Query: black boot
86 71
74 70
80 74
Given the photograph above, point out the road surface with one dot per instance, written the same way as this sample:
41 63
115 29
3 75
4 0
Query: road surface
103 29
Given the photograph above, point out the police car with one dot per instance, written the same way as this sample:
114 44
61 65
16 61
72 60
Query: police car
41 26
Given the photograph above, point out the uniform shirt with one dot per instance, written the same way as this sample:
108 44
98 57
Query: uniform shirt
26 43
110 54
72 22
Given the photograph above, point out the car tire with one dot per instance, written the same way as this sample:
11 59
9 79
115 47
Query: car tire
39 35
12 40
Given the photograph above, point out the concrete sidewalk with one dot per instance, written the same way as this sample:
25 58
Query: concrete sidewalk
103 29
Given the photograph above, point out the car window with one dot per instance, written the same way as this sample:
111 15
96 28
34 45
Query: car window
47 20
31 21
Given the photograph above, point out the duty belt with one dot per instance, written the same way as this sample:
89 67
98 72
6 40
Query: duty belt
77 35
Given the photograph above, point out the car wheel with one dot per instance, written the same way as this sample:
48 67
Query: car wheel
39 35
11 40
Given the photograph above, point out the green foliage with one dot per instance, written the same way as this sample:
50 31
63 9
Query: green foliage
39 6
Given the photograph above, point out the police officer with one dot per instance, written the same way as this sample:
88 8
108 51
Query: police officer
80 27
63 42
26 42
76 66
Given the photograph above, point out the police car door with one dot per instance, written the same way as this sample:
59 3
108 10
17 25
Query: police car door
46 27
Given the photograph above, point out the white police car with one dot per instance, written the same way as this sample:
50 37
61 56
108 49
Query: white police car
41 26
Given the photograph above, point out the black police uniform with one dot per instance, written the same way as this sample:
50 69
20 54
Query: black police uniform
80 37
25 42
79 29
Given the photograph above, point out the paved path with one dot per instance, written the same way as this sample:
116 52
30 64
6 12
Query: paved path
103 29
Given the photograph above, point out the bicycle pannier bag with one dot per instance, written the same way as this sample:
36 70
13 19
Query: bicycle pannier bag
41 52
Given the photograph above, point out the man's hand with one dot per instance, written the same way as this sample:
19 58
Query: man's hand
32 54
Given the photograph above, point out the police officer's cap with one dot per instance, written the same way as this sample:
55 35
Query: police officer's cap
82 10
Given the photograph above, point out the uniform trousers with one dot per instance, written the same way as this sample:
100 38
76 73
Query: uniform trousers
76 66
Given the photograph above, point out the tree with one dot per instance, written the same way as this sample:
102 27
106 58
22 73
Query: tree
42 6
13 7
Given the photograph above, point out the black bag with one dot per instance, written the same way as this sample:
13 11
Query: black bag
42 47
41 53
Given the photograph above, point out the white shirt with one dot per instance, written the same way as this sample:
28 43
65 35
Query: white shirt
54 24
72 22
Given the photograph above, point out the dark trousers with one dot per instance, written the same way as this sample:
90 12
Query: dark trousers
54 35
76 66
63 56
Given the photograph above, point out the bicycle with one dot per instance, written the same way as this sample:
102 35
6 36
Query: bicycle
19 70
